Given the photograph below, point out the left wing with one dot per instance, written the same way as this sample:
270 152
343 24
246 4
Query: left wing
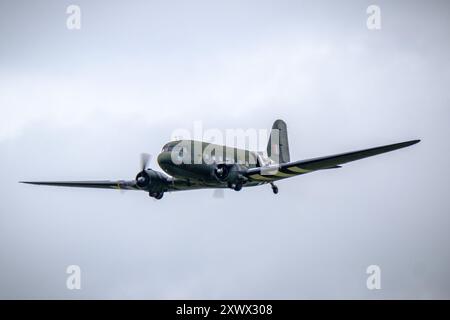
104 184
172 184
286 170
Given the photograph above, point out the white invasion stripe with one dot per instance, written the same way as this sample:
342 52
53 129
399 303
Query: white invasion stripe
269 170
298 170
259 177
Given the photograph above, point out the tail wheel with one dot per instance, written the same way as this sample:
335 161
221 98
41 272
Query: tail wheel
274 188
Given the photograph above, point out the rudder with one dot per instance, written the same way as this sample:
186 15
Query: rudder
278 145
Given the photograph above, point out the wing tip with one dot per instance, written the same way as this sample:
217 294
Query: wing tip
411 142
400 145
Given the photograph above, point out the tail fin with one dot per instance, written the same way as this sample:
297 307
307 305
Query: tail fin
278 146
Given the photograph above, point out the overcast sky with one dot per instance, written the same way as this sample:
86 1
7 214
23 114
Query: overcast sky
83 104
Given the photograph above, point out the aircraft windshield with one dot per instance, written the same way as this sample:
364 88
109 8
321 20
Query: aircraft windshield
167 148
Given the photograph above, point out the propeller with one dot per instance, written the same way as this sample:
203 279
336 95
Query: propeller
145 160
222 171
142 178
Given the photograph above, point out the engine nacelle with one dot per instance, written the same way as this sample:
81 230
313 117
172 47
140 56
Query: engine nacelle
151 180
232 174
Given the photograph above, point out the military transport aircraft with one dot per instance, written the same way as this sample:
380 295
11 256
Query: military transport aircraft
191 167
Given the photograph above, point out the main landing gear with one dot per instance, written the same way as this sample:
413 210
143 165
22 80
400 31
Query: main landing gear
235 186
274 188
156 195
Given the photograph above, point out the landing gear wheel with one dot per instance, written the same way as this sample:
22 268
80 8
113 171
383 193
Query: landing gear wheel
156 195
274 188
235 187
238 187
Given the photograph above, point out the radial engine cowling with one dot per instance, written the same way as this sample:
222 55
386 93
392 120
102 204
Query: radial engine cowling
230 173
151 180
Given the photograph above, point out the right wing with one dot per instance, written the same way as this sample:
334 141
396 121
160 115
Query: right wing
286 170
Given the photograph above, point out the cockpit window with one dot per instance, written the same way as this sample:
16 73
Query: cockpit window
167 148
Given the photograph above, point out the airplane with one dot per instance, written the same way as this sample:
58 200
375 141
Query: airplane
187 166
